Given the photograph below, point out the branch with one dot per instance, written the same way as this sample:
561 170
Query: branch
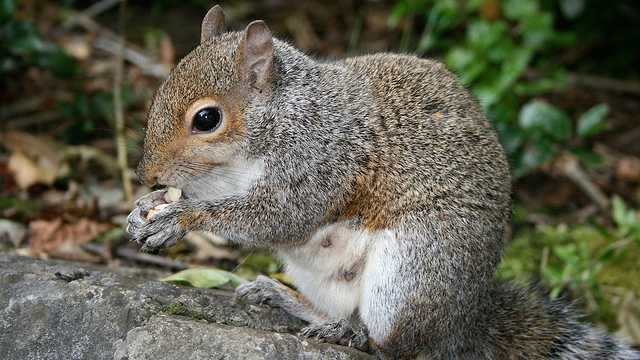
131 254
599 82
569 166
118 108
99 7
141 60
110 43
594 82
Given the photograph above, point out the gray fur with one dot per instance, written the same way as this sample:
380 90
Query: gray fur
390 142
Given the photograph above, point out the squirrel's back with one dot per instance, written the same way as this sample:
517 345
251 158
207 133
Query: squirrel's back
434 142
427 124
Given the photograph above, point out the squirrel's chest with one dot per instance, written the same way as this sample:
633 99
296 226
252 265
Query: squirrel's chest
327 270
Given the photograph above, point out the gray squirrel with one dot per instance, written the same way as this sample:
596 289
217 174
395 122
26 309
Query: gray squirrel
376 179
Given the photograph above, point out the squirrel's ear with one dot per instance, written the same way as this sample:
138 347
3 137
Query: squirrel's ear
212 24
257 53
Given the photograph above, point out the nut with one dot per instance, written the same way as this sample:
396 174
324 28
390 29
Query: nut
172 195
153 212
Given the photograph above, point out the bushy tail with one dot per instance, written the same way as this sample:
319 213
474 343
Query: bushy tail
525 324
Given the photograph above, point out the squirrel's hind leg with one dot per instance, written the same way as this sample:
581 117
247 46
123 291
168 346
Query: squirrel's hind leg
264 290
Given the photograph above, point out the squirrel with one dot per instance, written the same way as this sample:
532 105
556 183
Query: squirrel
376 179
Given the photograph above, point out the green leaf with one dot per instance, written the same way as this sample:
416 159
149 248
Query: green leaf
549 82
593 121
459 58
483 35
511 137
572 8
397 14
589 158
537 30
517 9
443 15
624 217
487 94
533 156
427 41
261 262
539 116
205 278
7 9
510 71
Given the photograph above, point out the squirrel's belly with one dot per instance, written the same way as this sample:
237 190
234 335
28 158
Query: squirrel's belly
327 270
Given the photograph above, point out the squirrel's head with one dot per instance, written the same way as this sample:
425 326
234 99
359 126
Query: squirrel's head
196 129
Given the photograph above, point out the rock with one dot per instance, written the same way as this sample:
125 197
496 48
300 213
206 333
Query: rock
201 340
62 310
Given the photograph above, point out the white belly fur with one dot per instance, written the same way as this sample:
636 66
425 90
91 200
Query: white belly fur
328 269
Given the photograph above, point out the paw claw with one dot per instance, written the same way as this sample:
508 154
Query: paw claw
339 332
262 290
162 232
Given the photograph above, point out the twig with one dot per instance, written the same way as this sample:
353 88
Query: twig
595 82
130 254
599 82
568 165
86 153
96 249
121 141
99 7
21 107
110 43
31 120
133 255
141 60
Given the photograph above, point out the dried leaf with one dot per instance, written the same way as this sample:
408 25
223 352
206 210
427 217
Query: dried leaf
33 159
46 236
26 172
628 169
77 46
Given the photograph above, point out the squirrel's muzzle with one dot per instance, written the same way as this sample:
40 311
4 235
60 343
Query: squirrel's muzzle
146 174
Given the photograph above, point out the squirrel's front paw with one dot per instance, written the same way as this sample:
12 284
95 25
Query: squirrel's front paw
340 332
160 231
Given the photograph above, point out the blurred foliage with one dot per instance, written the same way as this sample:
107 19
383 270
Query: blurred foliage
506 52
23 46
513 54
583 261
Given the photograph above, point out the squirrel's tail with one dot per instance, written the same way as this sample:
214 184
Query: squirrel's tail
526 324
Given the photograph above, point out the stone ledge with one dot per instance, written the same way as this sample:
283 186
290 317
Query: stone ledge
89 312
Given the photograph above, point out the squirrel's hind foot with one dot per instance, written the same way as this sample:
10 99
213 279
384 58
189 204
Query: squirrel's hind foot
264 291
341 332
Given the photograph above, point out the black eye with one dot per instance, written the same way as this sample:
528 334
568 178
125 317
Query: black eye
206 120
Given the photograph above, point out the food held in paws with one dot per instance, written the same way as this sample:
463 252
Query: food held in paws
172 195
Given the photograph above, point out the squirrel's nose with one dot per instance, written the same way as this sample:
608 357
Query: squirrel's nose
149 178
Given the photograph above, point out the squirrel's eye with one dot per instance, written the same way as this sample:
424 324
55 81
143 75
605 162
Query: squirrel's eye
206 120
